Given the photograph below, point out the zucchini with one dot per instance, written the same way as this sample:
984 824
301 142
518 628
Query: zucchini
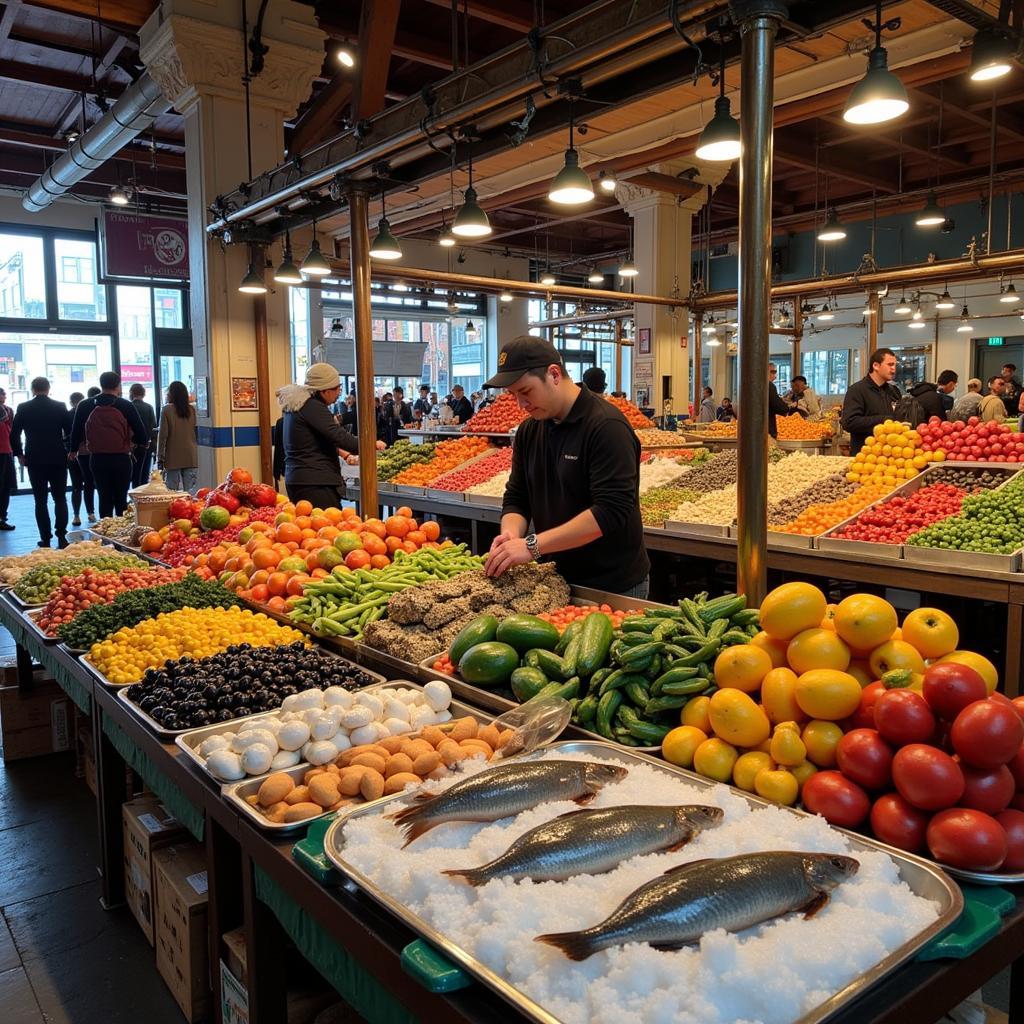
526 632
673 675
527 682
595 640
567 690
723 607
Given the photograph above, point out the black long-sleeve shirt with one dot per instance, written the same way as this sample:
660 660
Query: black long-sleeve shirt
462 409
590 460
864 407
312 437
776 407
130 413
46 424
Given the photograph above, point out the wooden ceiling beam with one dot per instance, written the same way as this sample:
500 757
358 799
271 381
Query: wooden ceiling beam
960 104
658 182
119 14
904 142
379 21
39 141
52 78
799 152
416 47
10 15
513 14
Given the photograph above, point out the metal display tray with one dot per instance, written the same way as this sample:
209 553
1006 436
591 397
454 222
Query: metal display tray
924 879
486 500
24 604
452 497
984 877
945 558
236 792
695 529
189 740
779 539
32 619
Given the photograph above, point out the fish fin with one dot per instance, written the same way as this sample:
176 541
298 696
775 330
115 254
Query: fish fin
406 812
474 876
689 864
575 945
679 846
815 905
585 798
414 829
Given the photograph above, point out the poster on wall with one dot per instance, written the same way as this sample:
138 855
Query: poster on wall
644 341
243 394
138 247
202 400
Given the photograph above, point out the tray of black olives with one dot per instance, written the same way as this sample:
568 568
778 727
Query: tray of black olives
241 681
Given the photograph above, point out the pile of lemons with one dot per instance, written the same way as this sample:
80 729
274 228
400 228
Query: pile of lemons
891 455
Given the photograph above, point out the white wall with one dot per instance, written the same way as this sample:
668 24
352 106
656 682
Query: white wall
62 214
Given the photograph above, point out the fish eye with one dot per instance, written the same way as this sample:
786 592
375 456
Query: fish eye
839 862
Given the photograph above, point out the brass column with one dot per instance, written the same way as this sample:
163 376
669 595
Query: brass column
798 336
698 377
759 22
618 357
359 242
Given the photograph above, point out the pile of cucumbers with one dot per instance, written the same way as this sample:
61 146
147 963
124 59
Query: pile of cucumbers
627 685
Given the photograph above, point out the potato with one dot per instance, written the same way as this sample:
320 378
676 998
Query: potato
299 795
473 745
275 811
324 790
371 786
252 800
374 761
413 748
504 737
350 779
490 735
397 763
301 811
275 788
312 774
393 744
432 735
398 782
425 764
343 802
278 816
464 729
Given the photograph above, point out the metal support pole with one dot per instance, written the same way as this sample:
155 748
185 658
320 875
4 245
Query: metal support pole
698 358
359 242
798 336
618 356
759 21
872 338
259 315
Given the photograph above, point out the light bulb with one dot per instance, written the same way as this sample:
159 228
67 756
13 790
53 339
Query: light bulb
1010 295
879 96
902 307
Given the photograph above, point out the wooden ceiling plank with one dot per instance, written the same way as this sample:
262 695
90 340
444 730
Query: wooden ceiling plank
511 14
69 116
376 39
958 105
10 15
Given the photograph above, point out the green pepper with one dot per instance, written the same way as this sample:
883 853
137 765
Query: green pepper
682 687
673 675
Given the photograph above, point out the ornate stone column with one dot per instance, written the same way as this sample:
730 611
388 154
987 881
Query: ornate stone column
195 51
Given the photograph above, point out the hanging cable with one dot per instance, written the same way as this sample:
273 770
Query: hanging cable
245 82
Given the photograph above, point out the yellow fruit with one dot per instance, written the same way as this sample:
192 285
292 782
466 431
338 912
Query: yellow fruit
787 747
827 693
821 740
829 622
861 671
816 648
979 663
742 667
714 759
931 631
792 608
779 786
737 719
776 648
778 689
895 654
803 771
747 767
864 621
695 713
678 746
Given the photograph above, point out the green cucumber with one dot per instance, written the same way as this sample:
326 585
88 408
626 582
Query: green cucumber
571 656
586 710
682 688
489 664
568 635
676 674
724 607
567 690
527 632
548 662
637 693
647 732
595 640
479 631
658 704
528 682
606 708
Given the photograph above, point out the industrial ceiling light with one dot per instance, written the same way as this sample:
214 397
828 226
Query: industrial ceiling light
547 278
628 269
595 276
917 325
346 58
832 231
119 196
826 313
710 327
784 318
918 315
945 301
572 185
1009 295
931 214
314 265
607 181
902 307
505 295
287 272
385 246
965 322
471 220
991 56
446 239
713 342
471 331
253 283
720 140
879 96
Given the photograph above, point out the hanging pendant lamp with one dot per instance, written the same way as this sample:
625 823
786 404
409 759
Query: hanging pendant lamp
253 283
965 323
314 265
991 56
832 231
471 220
287 272
720 140
572 185
385 246
931 214
879 96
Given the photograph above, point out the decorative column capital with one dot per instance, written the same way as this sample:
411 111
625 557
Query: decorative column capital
635 198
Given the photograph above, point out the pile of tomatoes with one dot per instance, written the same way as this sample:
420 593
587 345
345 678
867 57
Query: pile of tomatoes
972 441
497 418
92 586
562 617
476 472
893 521
181 547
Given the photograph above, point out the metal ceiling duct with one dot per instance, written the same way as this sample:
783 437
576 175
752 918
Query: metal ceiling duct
136 109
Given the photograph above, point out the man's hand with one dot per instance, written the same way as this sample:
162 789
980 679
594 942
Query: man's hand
351 460
502 556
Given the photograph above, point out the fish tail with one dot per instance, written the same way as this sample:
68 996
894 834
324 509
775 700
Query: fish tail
575 945
413 828
474 876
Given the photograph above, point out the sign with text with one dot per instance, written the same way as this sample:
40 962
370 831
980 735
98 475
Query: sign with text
142 247
995 342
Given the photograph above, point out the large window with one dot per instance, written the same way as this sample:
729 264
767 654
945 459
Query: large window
827 372
22 279
79 294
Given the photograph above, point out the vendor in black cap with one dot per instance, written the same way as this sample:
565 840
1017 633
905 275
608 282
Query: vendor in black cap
575 475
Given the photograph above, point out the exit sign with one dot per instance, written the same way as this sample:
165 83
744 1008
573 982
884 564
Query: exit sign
995 342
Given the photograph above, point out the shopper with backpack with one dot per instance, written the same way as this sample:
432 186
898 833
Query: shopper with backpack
110 425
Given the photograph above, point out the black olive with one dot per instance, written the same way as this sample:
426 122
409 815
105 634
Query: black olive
171 722
226 701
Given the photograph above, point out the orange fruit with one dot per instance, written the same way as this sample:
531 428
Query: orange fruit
307 533
287 532
931 631
259 576
311 561
827 694
375 526
258 526
303 522
404 510
296 583
328 532
742 667
265 558
407 545
373 544
152 541
417 537
792 608
393 544
218 556
318 522
397 526
319 574
379 561
431 530
776 649
334 515
303 508
277 583
277 604
358 559
284 517
864 621
777 696
817 648
260 592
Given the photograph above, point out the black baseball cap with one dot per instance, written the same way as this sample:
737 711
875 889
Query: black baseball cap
521 354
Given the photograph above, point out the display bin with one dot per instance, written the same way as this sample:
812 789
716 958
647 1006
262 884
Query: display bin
945 559
484 500
408 491
32 621
924 878
448 497
698 530
781 541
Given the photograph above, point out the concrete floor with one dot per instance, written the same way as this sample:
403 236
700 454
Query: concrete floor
63 959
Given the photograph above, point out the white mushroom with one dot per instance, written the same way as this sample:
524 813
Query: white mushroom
257 758
292 735
341 741
311 715
312 698
420 717
357 717
396 709
285 759
324 727
338 696
212 743
438 695
440 717
225 765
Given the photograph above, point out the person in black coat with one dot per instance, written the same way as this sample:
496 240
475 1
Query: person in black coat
461 406
930 400
776 406
46 425
870 400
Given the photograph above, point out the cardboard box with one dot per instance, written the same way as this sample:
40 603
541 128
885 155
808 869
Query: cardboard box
182 956
35 723
146 825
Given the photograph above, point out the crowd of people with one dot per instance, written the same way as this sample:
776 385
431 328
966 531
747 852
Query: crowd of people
104 442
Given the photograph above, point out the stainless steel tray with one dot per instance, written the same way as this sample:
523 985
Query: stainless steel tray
236 792
32 619
984 877
923 878
410 491
483 500
686 529
859 548
437 494
24 604
944 558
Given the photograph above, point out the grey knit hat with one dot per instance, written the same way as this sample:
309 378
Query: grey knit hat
322 377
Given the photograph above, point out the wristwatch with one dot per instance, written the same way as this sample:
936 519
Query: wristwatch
532 546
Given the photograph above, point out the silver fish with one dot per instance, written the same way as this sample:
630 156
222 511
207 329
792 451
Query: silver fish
506 790
731 893
593 841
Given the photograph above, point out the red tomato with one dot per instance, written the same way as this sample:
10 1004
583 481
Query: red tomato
898 823
865 758
902 716
838 800
1016 765
949 688
967 839
987 789
1012 823
1018 703
926 777
864 716
987 733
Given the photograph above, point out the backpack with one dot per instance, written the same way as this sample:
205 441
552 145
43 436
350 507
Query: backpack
908 410
107 431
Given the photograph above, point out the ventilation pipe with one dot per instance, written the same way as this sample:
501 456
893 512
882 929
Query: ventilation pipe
137 108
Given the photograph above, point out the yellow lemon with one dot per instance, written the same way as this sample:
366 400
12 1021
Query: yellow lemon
816 648
736 719
714 759
747 766
679 745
